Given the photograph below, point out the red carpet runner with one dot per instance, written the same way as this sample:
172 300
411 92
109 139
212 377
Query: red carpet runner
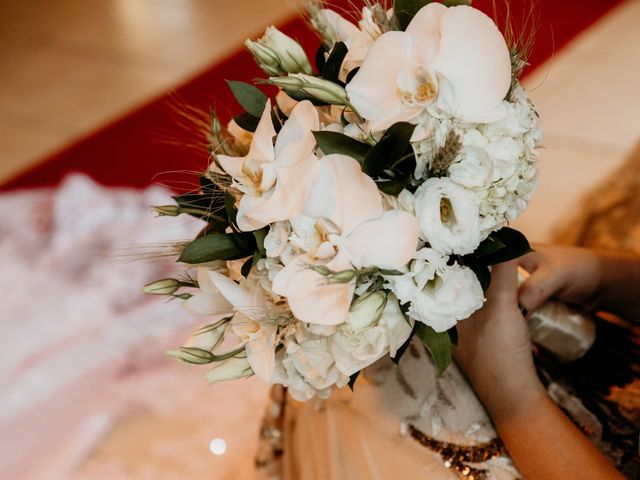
135 148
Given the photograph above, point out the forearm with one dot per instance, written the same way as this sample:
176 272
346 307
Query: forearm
544 443
619 290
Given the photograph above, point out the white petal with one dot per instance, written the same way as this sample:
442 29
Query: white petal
242 299
373 90
475 61
387 242
343 194
425 29
208 303
295 140
229 369
261 355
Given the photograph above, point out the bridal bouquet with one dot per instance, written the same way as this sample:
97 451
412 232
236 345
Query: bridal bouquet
364 203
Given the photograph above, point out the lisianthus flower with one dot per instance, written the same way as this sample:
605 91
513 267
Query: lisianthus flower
438 294
343 226
275 178
449 216
454 58
208 300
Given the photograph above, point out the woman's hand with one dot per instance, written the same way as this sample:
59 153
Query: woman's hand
494 348
494 352
573 275
596 280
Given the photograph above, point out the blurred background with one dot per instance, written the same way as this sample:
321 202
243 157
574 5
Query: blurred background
99 97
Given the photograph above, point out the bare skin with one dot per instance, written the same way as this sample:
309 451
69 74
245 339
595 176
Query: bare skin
494 352
596 279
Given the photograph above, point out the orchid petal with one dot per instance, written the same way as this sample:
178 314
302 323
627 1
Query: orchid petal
388 242
283 202
373 91
425 29
310 298
474 59
208 303
295 140
242 300
343 194
261 149
261 355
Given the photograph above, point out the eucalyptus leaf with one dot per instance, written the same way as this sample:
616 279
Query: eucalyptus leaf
217 246
249 97
331 69
335 142
438 343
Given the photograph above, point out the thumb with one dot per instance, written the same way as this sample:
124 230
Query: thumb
537 289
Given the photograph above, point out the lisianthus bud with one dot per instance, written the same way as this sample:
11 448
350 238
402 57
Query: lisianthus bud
166 286
318 88
367 310
229 369
209 337
196 356
277 54
167 210
344 276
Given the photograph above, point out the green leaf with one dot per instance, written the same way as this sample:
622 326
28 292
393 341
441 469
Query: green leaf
489 245
320 57
259 237
331 69
405 10
402 350
247 122
249 97
230 208
335 142
438 343
455 3
453 335
515 246
246 267
352 380
391 162
392 147
217 246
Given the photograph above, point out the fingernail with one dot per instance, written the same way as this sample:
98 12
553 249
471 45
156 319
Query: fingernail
523 311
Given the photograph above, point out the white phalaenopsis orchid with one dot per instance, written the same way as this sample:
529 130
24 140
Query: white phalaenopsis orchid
275 178
344 226
454 58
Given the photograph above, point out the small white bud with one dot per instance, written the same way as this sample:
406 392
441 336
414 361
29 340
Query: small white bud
229 369
318 88
367 310
166 286
278 54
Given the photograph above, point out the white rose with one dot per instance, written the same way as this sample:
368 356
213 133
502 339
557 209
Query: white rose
472 169
359 342
439 294
448 215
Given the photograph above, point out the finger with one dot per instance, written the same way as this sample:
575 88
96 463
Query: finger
504 281
537 289
531 261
